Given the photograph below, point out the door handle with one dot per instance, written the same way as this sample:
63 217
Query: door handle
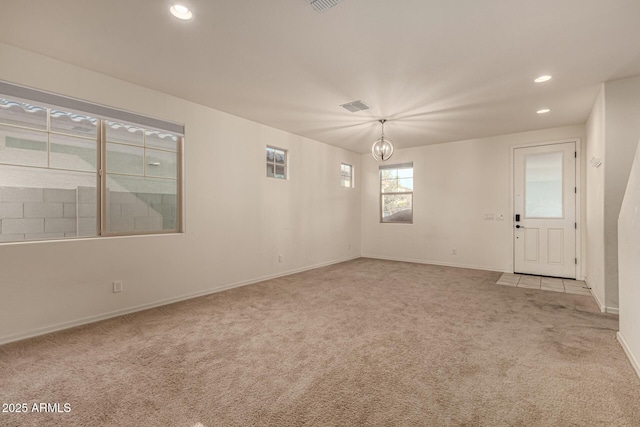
519 226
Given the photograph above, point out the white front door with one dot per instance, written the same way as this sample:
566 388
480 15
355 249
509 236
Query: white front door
545 210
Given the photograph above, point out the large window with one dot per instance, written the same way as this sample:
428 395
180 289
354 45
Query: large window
51 185
276 163
396 193
346 175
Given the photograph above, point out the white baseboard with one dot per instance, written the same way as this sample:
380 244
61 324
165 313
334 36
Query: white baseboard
612 310
627 350
91 319
446 264
603 308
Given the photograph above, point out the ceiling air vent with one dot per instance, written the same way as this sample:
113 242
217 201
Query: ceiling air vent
355 106
322 5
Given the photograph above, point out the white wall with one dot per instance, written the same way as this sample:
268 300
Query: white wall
629 267
309 219
622 130
595 147
455 184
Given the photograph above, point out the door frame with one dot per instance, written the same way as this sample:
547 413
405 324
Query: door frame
580 253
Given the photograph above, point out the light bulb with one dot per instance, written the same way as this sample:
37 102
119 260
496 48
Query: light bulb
542 79
181 12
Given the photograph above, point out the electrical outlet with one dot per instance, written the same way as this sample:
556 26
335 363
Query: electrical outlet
280 258
117 286
454 251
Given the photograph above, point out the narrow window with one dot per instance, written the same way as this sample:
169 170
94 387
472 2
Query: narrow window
346 175
396 193
66 173
276 163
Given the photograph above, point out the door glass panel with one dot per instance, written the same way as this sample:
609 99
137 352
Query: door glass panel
543 185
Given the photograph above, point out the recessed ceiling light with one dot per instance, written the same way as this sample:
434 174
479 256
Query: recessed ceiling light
542 79
181 12
543 111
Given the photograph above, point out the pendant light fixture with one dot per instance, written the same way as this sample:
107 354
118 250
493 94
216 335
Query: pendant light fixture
382 149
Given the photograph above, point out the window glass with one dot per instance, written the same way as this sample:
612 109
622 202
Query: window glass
73 124
543 185
346 175
50 186
161 163
397 208
125 159
396 194
276 163
48 180
139 204
162 140
142 182
25 147
22 114
71 153
124 133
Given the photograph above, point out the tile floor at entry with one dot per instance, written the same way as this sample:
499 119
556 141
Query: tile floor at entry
544 283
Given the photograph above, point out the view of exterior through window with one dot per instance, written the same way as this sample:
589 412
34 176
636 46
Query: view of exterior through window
276 163
396 193
50 183
142 179
346 175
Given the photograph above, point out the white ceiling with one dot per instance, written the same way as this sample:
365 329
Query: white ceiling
439 70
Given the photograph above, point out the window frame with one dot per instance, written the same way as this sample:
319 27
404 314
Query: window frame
46 100
275 164
399 193
350 176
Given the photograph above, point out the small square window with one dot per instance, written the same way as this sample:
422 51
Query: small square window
346 175
276 163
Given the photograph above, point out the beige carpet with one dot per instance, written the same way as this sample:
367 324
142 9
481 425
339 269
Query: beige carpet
363 343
